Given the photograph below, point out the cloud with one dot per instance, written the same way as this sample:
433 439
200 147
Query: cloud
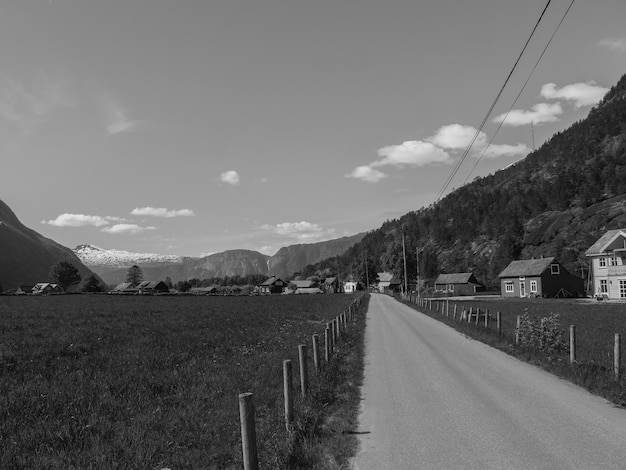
582 94
27 106
81 220
540 113
117 119
162 212
131 229
411 153
614 44
366 173
302 231
434 150
230 177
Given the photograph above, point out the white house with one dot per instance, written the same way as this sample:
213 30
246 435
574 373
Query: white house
608 265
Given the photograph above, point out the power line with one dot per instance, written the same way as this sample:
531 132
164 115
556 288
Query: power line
479 130
519 94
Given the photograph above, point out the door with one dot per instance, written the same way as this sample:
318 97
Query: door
522 289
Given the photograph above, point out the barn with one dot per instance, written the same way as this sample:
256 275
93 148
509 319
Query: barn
458 284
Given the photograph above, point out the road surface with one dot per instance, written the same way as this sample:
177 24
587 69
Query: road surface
434 399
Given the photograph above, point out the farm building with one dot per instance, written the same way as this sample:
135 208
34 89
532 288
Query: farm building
44 288
387 282
23 289
331 285
153 287
125 288
608 265
458 284
273 285
211 290
542 277
351 286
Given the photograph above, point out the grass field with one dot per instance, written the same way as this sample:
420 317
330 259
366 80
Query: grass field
147 382
596 324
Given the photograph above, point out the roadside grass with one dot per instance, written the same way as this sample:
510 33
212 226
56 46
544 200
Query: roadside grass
596 324
102 381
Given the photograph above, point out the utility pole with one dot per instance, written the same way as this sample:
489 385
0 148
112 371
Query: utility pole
417 258
406 282
367 276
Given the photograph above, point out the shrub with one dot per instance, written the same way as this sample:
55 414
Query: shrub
542 333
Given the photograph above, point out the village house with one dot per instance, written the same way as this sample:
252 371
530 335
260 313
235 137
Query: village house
273 285
23 289
350 287
125 288
331 285
542 277
153 287
608 265
458 284
388 283
45 288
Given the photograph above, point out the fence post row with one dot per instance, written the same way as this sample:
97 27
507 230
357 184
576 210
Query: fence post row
288 388
617 355
304 370
316 353
572 344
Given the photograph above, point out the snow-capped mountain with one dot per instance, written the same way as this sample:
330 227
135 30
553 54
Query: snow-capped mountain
92 255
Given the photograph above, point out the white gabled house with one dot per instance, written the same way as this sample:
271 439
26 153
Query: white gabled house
608 265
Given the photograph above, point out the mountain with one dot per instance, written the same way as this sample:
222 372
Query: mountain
26 257
112 265
555 202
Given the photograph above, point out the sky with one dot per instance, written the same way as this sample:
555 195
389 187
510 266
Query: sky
191 127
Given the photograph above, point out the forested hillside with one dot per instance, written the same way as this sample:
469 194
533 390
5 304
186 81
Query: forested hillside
555 202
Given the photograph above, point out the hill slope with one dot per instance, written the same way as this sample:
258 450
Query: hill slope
26 256
555 202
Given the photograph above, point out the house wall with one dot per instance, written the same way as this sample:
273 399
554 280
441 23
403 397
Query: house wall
517 286
613 272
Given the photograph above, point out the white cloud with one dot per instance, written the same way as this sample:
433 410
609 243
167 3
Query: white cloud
412 153
614 44
302 231
162 212
455 136
126 229
117 119
230 177
582 94
540 113
81 220
366 173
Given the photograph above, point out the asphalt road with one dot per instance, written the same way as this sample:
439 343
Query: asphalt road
434 399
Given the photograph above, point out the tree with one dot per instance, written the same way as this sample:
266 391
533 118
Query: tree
92 284
64 274
134 275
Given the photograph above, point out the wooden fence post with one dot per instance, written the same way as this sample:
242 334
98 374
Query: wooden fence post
248 432
572 344
499 323
304 370
316 353
486 318
469 317
327 344
477 315
518 322
448 308
287 389
454 314
617 355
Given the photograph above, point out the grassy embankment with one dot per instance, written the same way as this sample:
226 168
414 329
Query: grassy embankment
153 382
596 324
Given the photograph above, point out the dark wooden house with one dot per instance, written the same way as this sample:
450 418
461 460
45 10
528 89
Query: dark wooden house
543 277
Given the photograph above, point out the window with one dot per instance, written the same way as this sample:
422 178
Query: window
508 286
613 261
604 288
554 269
622 289
603 262
533 286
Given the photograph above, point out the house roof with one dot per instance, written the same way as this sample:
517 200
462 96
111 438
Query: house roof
385 277
601 246
304 284
271 281
124 286
455 278
527 267
330 280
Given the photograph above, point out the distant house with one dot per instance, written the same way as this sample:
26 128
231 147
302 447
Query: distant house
153 287
350 287
608 265
273 285
211 290
45 288
387 282
543 277
23 289
331 285
304 284
458 284
125 288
